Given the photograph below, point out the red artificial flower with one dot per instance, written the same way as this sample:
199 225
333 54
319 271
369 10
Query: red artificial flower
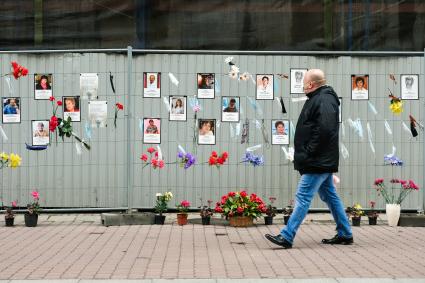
240 209
151 150
403 182
413 185
144 157
243 194
218 209
223 199
252 197
231 194
258 200
154 162
225 155
372 204
18 70
14 203
53 123
212 160
378 182
59 103
35 195
395 181
119 106
214 154
220 160
51 98
185 203
161 164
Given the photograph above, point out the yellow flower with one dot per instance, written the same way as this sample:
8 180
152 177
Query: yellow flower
15 160
4 156
357 206
396 107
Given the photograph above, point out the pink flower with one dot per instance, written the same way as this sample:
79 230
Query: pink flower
185 203
395 181
35 195
154 163
151 150
161 164
379 182
413 185
403 182
144 157
14 203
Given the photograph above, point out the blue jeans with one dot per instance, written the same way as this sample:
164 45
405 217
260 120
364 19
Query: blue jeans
308 185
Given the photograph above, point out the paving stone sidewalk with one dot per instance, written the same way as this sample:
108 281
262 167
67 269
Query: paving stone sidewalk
78 247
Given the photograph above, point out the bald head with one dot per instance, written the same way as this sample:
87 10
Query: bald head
313 79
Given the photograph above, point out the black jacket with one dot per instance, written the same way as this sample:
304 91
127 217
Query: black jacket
317 133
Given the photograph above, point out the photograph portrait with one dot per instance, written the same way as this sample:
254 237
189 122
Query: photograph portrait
178 108
43 86
206 85
98 113
71 108
151 85
280 132
296 78
264 87
11 110
89 84
152 130
206 131
40 132
230 109
409 87
359 87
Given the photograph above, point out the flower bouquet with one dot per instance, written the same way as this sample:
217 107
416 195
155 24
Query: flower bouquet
217 160
240 208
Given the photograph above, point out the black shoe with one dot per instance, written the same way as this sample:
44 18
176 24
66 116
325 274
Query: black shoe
279 240
337 240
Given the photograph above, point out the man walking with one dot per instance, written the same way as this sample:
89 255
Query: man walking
316 157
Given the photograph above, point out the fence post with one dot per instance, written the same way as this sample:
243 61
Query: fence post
128 106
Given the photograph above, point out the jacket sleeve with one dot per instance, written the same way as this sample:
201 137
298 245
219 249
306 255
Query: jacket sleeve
323 119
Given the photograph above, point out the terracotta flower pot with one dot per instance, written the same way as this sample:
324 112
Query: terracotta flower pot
182 218
241 221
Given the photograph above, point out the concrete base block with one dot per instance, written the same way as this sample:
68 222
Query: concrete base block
411 220
119 219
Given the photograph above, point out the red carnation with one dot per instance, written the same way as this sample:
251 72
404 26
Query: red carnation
154 162
218 209
378 182
59 103
151 150
214 154
51 98
243 194
220 160
225 155
212 160
53 123
119 106
144 157
231 194
239 209
161 164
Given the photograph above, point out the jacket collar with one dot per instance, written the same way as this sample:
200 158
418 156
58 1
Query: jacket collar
311 94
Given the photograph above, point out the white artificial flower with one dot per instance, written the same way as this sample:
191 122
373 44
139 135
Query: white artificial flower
234 68
228 60
158 195
245 76
233 75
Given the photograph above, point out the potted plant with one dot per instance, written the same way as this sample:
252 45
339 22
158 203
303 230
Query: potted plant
372 214
240 209
161 206
287 211
183 208
393 202
33 210
270 212
206 212
356 213
9 217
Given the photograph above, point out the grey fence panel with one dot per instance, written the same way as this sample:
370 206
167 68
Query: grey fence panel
98 177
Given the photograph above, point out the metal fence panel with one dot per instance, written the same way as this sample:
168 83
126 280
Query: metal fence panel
98 177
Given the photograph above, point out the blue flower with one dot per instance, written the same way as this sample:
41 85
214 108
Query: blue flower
253 159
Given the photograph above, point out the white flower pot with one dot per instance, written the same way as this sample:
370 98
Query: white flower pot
393 214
